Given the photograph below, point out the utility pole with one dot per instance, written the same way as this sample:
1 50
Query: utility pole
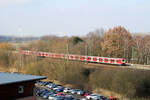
132 55
86 49
67 50
124 53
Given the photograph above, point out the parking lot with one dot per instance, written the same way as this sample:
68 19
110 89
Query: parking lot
44 87
52 91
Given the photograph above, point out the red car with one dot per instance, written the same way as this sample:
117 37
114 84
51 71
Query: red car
61 94
86 94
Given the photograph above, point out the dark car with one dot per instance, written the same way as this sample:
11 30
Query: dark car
69 97
43 93
47 95
60 89
59 98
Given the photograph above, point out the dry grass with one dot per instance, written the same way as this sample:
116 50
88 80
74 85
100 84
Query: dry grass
108 93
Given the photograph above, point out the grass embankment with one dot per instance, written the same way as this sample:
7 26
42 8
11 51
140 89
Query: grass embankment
127 83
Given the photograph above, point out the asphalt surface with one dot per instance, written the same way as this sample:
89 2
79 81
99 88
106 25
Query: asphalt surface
40 98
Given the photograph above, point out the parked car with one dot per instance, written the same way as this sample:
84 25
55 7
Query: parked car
72 91
51 86
59 98
52 96
47 95
43 93
86 94
80 92
66 90
45 83
69 97
104 98
94 97
61 94
60 90
57 87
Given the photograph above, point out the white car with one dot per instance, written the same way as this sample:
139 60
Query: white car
94 97
66 90
51 97
57 87
48 86
51 86
80 92
73 91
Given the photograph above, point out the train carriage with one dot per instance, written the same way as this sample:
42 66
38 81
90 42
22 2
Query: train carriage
94 59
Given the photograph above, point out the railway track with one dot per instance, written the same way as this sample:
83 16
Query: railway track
106 66
127 67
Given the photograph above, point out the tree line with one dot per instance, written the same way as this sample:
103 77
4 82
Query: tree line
117 42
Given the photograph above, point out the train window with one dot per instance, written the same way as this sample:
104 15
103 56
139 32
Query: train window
77 57
112 60
118 61
89 58
71 56
39 54
94 59
49 55
82 57
100 59
106 60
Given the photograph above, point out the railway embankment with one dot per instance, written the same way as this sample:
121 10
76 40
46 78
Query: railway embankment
128 83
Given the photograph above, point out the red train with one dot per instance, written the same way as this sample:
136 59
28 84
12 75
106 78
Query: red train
95 59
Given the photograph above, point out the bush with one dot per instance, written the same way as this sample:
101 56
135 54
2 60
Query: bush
35 68
65 72
126 82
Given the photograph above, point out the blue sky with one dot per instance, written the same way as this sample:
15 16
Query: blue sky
71 17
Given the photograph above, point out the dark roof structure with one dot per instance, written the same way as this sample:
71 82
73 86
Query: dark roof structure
9 78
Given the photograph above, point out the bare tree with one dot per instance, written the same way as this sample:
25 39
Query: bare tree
94 40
